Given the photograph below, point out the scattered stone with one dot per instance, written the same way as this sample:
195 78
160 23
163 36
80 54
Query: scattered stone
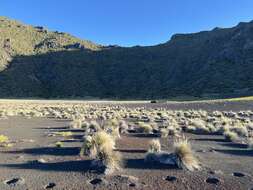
96 181
213 180
238 174
50 185
171 178
15 181
132 185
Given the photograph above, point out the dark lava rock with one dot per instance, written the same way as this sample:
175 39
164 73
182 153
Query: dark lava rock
50 186
171 178
238 174
96 181
15 181
213 180
132 185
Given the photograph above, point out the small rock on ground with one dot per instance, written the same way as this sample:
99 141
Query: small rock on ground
15 181
238 174
213 180
171 178
50 185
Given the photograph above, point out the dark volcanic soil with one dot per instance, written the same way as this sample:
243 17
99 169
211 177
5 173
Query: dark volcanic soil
35 163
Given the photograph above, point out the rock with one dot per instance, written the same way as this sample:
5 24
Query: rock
132 185
15 181
171 178
238 174
98 181
51 185
213 180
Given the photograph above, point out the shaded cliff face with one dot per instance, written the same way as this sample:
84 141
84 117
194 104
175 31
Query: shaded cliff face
40 63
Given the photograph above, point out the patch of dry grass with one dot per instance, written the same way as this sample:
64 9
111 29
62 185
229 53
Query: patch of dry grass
154 146
183 151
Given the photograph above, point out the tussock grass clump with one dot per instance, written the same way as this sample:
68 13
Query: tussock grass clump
182 156
3 139
123 127
76 124
94 126
241 131
102 139
184 153
199 126
145 128
154 146
59 144
115 133
102 147
87 144
230 136
164 132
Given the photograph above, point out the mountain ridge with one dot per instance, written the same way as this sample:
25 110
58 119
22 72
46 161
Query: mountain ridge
40 63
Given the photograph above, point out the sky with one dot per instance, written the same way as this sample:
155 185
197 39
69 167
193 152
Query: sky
128 22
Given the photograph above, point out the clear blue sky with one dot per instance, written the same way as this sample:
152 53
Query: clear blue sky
128 22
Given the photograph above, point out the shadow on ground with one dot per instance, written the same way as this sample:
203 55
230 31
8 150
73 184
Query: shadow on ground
67 166
211 139
236 152
141 164
131 150
234 145
64 151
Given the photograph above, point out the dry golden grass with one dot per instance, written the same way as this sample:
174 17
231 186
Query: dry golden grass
102 150
154 146
3 139
59 144
186 159
76 124
164 132
145 128
230 136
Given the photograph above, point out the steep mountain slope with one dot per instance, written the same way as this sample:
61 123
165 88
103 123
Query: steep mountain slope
19 39
39 63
